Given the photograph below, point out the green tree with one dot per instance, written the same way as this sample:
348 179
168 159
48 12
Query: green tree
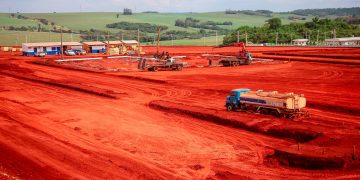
274 23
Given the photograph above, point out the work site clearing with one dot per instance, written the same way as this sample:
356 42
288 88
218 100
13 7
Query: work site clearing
104 118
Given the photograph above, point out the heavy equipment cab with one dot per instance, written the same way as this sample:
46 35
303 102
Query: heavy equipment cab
233 100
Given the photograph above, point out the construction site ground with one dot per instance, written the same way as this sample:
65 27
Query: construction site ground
105 118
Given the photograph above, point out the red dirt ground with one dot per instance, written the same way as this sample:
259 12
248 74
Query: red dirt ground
59 122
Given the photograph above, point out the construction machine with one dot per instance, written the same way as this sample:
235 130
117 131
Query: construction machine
155 64
161 61
242 58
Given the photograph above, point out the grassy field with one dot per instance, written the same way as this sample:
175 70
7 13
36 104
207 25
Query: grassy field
98 20
5 20
207 41
15 38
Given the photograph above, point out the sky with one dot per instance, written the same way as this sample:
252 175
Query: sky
43 6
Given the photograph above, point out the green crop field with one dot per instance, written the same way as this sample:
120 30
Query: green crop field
98 21
15 38
206 41
5 20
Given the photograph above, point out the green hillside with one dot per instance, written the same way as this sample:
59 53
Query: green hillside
15 38
99 20
5 20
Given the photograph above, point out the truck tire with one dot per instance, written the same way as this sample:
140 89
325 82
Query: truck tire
275 113
264 111
155 68
229 107
179 68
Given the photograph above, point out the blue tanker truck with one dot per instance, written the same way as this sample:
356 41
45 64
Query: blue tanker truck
288 105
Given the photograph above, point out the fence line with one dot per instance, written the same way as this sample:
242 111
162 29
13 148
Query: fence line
16 38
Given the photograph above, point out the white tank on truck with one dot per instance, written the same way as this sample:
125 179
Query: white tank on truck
287 105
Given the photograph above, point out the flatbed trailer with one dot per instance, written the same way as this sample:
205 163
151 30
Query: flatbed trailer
169 64
234 62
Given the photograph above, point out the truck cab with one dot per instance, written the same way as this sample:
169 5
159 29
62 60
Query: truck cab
170 62
233 100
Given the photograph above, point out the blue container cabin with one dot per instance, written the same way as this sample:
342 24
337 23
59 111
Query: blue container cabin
29 49
50 48
94 47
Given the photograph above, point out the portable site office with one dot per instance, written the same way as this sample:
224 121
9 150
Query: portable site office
50 48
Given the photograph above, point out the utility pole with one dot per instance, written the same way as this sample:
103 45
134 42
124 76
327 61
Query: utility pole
172 40
49 35
246 38
325 36
238 37
277 37
317 38
122 36
138 34
26 38
334 33
108 46
291 42
97 36
71 37
17 38
203 40
29 38
61 48
216 34
158 41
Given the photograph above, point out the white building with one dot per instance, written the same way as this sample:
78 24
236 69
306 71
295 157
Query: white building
300 42
50 48
347 41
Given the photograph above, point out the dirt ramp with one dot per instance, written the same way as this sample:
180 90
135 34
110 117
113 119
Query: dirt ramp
144 79
309 59
327 152
24 74
309 162
299 134
335 108
270 127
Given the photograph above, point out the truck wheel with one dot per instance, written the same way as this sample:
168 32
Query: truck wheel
275 113
179 68
229 107
155 68
264 111
242 107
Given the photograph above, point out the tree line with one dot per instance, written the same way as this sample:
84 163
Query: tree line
313 30
144 27
328 12
250 12
203 26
